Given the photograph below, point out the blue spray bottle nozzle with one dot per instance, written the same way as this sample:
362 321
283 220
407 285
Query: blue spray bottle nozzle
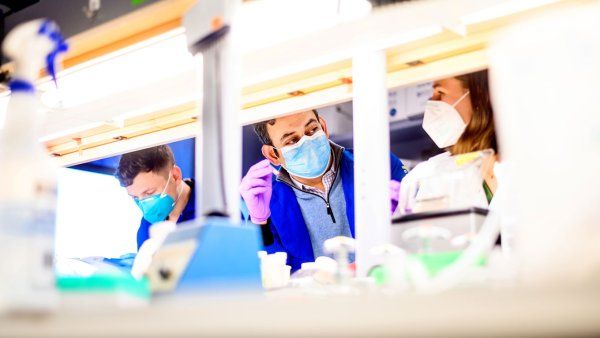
49 29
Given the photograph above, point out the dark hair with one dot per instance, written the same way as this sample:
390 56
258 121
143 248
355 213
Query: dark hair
480 132
260 129
153 159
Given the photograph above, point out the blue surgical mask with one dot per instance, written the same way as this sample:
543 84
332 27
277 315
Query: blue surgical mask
309 157
157 207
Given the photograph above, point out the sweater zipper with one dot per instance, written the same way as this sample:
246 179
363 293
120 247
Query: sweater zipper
329 210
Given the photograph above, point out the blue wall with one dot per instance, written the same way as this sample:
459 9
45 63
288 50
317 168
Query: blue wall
410 142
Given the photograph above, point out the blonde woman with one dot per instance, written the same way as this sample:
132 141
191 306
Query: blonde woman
459 119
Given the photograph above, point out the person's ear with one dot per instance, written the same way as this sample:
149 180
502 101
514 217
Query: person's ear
177 174
269 153
324 126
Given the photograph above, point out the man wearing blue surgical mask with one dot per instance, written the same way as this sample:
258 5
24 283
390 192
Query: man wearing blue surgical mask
311 196
155 183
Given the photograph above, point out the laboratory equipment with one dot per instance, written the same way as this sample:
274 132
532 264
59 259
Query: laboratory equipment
102 291
213 252
392 271
143 259
445 183
322 270
274 271
27 177
341 247
207 256
98 284
437 230
211 33
434 278
440 217
437 238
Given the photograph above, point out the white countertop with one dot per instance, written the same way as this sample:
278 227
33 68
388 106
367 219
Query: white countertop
573 312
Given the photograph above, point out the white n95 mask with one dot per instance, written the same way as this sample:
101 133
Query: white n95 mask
443 123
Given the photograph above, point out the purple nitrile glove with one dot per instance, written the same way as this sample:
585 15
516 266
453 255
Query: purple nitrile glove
394 194
256 190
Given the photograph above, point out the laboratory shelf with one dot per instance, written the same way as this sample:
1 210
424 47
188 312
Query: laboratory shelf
419 47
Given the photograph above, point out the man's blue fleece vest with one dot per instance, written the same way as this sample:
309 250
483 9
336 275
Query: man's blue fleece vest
287 225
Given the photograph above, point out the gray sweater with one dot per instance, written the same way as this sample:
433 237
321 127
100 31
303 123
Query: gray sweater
325 218
320 223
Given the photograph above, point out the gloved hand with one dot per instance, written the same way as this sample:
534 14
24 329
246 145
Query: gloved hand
256 189
394 194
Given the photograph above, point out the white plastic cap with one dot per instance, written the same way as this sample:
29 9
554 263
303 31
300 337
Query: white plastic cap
308 266
325 263
338 243
386 249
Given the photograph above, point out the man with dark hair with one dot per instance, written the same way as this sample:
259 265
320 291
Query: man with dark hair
156 185
312 198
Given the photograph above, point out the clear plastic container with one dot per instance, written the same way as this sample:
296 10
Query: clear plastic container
445 183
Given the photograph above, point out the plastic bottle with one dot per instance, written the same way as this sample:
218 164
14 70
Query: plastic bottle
27 176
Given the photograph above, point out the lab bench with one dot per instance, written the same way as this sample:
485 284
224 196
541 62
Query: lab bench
460 313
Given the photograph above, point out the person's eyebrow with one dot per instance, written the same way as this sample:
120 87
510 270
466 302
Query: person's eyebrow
309 122
134 196
286 135
148 191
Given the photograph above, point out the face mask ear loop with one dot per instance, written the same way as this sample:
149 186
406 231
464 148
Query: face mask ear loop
276 151
163 193
460 99
180 192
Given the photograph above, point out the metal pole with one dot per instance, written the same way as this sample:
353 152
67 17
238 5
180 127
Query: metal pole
371 156
218 165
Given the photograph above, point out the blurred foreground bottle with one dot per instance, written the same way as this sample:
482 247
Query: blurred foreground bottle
27 175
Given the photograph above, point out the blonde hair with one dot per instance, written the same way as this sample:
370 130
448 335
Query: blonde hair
480 132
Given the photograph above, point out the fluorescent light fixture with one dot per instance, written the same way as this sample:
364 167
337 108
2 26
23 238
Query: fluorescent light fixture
111 88
268 22
261 23
409 36
348 53
504 9
121 71
157 60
